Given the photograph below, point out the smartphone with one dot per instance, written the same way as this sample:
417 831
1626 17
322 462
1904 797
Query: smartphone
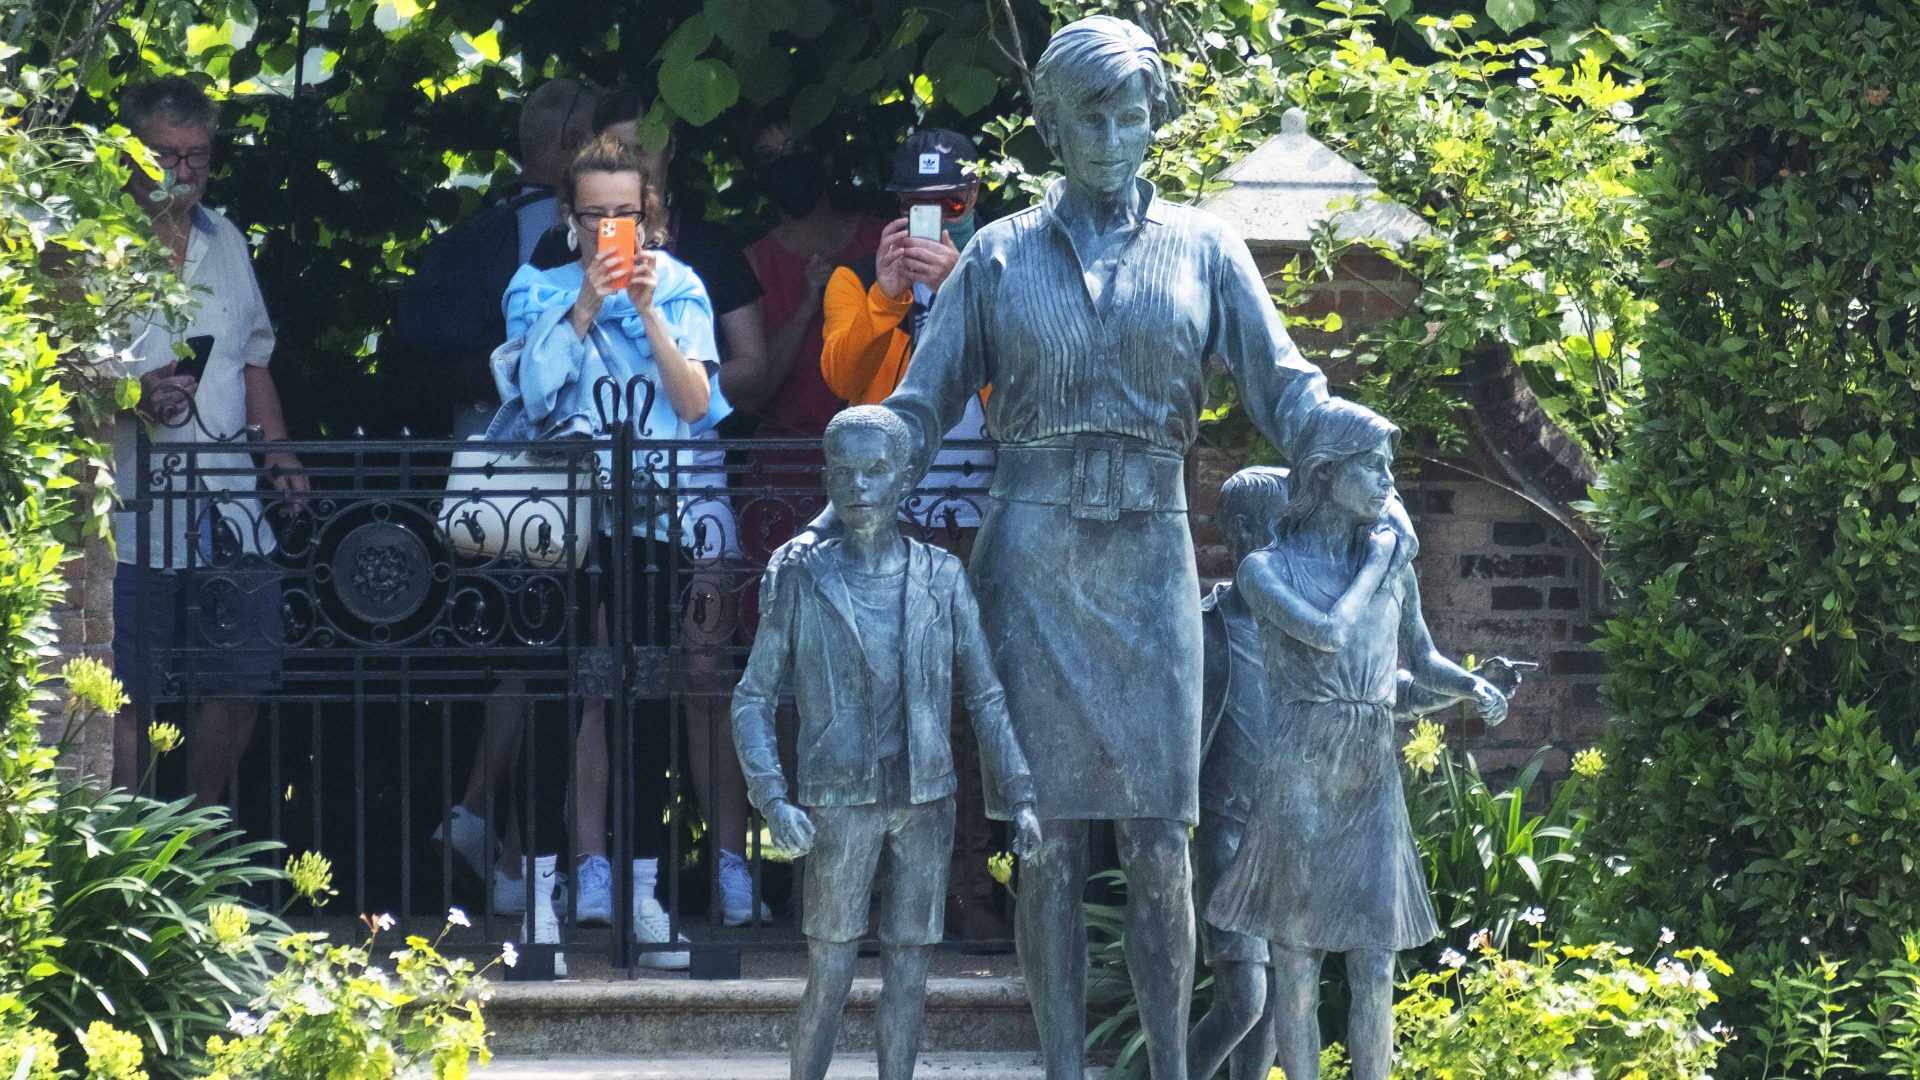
619 235
923 221
195 366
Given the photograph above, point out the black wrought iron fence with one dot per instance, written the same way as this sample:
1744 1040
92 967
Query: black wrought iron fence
445 640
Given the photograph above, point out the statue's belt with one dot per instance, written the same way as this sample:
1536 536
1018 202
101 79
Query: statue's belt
1097 476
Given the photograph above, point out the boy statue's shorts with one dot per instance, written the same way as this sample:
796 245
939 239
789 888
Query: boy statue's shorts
849 843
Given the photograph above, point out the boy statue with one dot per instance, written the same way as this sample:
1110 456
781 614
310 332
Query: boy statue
873 628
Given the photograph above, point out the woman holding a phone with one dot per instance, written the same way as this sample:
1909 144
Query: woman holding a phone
623 308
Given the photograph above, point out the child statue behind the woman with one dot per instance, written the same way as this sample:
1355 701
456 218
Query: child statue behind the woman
1328 863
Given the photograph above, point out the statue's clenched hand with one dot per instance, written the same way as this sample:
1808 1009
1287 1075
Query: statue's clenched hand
792 829
1026 831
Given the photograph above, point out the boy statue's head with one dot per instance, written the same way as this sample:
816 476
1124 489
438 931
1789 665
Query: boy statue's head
1250 502
867 449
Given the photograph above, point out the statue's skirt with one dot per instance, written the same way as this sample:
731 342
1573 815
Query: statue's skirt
1095 629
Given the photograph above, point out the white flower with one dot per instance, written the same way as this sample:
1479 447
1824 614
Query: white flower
383 922
1453 959
458 918
508 954
1534 916
244 1023
311 999
1481 939
1666 936
1699 983
1636 982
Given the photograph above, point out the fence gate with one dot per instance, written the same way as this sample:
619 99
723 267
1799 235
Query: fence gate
519 648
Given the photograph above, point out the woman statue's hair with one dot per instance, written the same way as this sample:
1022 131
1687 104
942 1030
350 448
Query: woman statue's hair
607 154
1336 430
1092 58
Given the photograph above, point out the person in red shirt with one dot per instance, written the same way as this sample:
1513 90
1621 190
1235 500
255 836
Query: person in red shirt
794 261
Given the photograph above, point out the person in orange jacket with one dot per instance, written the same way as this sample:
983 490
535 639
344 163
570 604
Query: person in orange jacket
872 309
870 312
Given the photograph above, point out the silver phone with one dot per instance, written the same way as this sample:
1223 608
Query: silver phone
923 221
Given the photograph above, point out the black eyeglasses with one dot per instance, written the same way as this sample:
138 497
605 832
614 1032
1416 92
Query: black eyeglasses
173 159
589 220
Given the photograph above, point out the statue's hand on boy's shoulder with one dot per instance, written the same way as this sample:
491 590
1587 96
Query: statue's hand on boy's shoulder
1026 831
792 829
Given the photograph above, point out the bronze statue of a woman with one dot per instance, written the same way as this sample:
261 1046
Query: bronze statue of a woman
1094 316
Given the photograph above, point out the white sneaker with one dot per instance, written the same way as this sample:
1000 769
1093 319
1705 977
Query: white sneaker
652 927
541 926
510 893
736 892
470 839
594 880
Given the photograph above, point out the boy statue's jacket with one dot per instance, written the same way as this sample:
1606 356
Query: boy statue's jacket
809 629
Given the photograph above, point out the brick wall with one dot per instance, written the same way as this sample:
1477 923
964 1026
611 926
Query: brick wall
83 621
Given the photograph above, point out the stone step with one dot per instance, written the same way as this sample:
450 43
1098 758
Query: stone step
647 1017
849 1066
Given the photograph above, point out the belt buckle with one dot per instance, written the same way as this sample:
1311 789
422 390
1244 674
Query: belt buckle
1099 478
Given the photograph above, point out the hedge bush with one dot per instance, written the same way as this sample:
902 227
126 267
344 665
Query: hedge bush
1761 513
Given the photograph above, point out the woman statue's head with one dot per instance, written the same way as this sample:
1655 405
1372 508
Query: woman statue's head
1345 468
1100 92
606 180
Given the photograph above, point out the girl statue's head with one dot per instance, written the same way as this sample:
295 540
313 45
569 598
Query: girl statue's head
1345 468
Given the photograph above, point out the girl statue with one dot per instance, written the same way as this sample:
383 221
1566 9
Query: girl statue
1328 862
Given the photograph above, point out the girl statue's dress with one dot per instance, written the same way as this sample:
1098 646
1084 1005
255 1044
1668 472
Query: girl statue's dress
1328 861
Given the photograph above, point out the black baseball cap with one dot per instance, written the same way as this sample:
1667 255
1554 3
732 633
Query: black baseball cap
933 160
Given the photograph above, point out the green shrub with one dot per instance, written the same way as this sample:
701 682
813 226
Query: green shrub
1761 512
1491 861
1568 1011
1823 1019
150 935
333 1014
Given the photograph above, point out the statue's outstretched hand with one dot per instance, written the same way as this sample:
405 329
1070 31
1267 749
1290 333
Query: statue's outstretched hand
792 829
1491 703
1026 831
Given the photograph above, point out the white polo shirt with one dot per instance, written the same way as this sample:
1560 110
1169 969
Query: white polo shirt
231 311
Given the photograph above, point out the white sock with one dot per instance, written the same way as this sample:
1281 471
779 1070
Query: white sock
646 874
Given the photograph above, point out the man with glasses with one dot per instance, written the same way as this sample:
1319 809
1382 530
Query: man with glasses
199 600
872 311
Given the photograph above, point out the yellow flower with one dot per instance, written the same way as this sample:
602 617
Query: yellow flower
312 876
113 1054
1000 867
91 682
1589 762
164 738
229 924
1424 749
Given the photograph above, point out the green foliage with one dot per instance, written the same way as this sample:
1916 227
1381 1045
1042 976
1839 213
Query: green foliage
72 263
1589 1011
143 910
1496 858
1760 514
1521 166
1822 1019
333 1014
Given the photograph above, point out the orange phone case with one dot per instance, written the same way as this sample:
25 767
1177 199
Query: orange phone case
618 234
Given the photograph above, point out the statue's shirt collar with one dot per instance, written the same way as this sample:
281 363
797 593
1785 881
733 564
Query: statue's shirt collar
1152 207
